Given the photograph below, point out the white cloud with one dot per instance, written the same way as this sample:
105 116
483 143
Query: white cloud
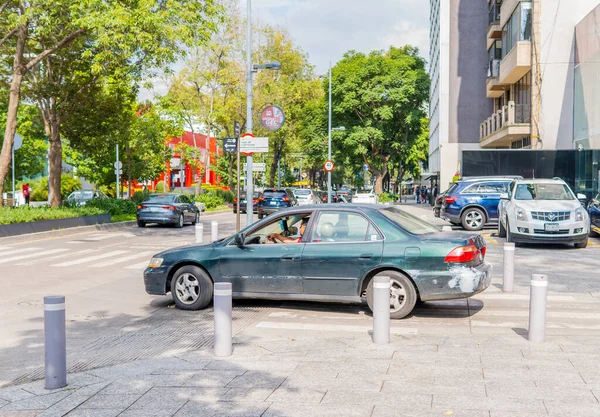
326 29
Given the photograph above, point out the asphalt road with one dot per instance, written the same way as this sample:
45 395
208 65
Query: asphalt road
111 319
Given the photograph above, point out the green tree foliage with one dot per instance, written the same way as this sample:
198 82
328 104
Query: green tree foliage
380 98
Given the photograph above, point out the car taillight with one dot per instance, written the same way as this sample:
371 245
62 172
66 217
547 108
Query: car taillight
255 200
450 200
235 200
141 207
463 254
261 198
286 199
169 207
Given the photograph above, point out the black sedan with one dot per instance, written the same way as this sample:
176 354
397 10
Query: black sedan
244 202
594 212
343 247
174 209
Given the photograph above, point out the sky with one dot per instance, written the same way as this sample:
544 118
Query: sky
326 29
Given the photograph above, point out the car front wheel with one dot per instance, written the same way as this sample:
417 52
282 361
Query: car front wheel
196 218
191 288
501 229
582 245
403 295
509 236
179 223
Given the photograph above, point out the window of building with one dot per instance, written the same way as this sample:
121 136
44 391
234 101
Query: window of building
523 90
494 11
518 27
523 143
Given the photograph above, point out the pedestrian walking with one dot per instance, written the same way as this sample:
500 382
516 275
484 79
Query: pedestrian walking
26 192
417 192
423 194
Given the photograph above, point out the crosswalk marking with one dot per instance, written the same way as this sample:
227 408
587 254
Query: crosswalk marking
330 327
138 266
4 248
12 252
31 255
123 259
52 258
92 258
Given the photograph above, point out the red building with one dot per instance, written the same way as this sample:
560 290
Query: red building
176 173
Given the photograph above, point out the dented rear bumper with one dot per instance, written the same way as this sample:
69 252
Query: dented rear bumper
458 281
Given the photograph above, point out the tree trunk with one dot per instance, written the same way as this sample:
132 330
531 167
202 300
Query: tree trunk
273 171
13 107
128 172
55 157
379 176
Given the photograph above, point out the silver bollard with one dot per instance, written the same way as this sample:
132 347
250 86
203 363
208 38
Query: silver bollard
381 310
508 284
222 313
446 228
537 308
199 233
214 231
55 342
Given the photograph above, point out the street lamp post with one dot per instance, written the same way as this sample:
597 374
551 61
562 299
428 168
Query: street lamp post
249 123
329 130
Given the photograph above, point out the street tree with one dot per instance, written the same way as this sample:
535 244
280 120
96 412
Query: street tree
380 98
149 34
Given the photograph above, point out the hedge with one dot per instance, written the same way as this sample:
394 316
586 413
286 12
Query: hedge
25 214
113 206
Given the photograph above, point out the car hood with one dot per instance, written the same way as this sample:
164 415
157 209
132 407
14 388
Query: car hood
196 248
548 205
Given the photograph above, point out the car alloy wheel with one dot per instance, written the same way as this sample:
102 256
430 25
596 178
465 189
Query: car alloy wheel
403 295
187 288
473 219
180 221
397 296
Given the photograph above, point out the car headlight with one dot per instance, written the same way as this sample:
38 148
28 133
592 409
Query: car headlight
579 215
521 215
155 262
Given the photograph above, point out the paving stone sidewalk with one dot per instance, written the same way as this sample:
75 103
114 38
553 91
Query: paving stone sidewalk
462 375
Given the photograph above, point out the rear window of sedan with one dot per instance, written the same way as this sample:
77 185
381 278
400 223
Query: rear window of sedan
302 192
159 199
408 222
274 193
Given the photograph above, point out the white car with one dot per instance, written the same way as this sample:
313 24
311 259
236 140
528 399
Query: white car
306 196
365 198
542 211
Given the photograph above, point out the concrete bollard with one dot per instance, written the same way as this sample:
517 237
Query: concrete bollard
214 231
537 308
508 284
381 310
222 313
446 228
55 342
199 233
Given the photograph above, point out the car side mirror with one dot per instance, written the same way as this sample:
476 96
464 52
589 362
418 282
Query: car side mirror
239 239
504 196
581 197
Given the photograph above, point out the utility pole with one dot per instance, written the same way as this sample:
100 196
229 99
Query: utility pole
249 124
117 170
329 141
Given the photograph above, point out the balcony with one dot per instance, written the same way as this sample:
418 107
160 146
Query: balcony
494 29
501 128
493 87
516 63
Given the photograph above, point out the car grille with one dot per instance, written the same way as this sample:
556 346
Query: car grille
546 232
551 216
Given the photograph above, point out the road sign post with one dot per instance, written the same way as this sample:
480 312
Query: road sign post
117 172
237 130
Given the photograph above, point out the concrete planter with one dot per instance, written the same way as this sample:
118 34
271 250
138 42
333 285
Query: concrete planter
16 229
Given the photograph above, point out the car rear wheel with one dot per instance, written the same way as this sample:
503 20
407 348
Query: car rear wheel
141 223
179 223
260 216
473 219
191 288
403 295
501 229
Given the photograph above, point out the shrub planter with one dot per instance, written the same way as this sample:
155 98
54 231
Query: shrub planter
16 229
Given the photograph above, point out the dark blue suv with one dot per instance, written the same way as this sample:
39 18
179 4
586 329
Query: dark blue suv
273 200
473 202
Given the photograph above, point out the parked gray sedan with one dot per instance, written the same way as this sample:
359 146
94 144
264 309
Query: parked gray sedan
174 209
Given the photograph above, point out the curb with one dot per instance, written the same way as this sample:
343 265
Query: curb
65 232
212 213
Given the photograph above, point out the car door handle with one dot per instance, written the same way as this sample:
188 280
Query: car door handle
288 258
365 256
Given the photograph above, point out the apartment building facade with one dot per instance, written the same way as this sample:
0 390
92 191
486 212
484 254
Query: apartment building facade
529 74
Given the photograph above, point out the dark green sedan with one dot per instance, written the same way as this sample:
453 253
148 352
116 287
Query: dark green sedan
342 248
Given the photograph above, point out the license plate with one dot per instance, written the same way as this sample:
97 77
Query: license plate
273 203
551 227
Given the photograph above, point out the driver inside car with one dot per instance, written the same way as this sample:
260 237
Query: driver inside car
276 237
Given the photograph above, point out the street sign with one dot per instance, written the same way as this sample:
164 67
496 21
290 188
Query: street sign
230 144
118 171
18 142
237 129
272 118
250 144
257 167
118 165
329 165
304 175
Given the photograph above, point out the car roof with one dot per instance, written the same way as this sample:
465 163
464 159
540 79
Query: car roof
541 181
491 178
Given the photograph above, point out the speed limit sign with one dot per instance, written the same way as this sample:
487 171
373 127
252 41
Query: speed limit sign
328 165
304 175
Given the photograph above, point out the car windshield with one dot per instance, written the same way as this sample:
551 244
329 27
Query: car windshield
82 194
159 199
543 192
273 193
302 192
408 222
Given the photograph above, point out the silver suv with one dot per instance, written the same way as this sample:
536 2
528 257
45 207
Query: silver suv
542 211
306 196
